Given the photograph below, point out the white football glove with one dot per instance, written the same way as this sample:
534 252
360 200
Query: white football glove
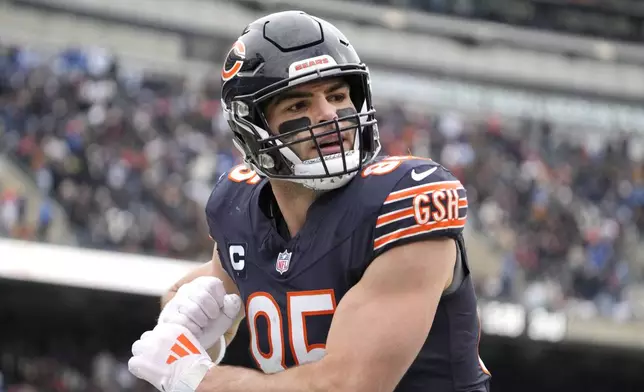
204 308
170 358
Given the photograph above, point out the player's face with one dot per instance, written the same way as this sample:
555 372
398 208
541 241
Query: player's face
311 104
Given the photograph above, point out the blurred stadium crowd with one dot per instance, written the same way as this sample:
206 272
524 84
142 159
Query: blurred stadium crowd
46 374
132 158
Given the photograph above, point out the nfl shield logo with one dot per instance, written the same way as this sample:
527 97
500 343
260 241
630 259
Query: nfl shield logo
283 261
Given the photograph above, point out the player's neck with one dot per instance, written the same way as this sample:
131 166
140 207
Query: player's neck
294 201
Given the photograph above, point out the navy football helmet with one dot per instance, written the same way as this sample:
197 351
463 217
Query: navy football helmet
277 53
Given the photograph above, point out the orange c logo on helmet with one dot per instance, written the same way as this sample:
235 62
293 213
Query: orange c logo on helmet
239 50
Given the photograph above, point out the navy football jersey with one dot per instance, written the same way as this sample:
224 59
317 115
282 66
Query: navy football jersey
292 286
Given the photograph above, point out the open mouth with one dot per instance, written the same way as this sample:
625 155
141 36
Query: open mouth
330 147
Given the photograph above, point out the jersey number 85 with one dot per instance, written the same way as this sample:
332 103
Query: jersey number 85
299 306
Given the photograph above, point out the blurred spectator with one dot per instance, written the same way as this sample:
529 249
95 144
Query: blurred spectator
12 215
44 220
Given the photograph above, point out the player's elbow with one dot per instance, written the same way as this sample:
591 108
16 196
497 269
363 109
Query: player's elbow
345 376
340 381
367 382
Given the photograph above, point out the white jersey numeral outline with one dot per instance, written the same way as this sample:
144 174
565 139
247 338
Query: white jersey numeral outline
300 305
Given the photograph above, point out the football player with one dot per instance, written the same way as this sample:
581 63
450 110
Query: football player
350 269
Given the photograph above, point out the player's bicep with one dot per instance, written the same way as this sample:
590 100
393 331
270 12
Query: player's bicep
381 324
435 206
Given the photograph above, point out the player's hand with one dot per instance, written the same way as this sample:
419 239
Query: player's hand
204 308
170 358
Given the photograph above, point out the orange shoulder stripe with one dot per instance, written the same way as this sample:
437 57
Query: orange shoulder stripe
416 230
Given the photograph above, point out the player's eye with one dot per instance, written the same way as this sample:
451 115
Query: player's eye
296 107
340 97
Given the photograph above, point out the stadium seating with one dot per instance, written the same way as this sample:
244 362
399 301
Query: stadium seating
132 160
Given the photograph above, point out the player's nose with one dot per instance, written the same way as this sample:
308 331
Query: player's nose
324 111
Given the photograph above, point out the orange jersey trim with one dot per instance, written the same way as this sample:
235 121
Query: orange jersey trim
405 213
417 230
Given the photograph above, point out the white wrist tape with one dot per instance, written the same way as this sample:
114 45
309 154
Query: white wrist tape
193 377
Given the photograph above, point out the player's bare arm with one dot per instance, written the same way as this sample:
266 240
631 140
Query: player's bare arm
365 349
